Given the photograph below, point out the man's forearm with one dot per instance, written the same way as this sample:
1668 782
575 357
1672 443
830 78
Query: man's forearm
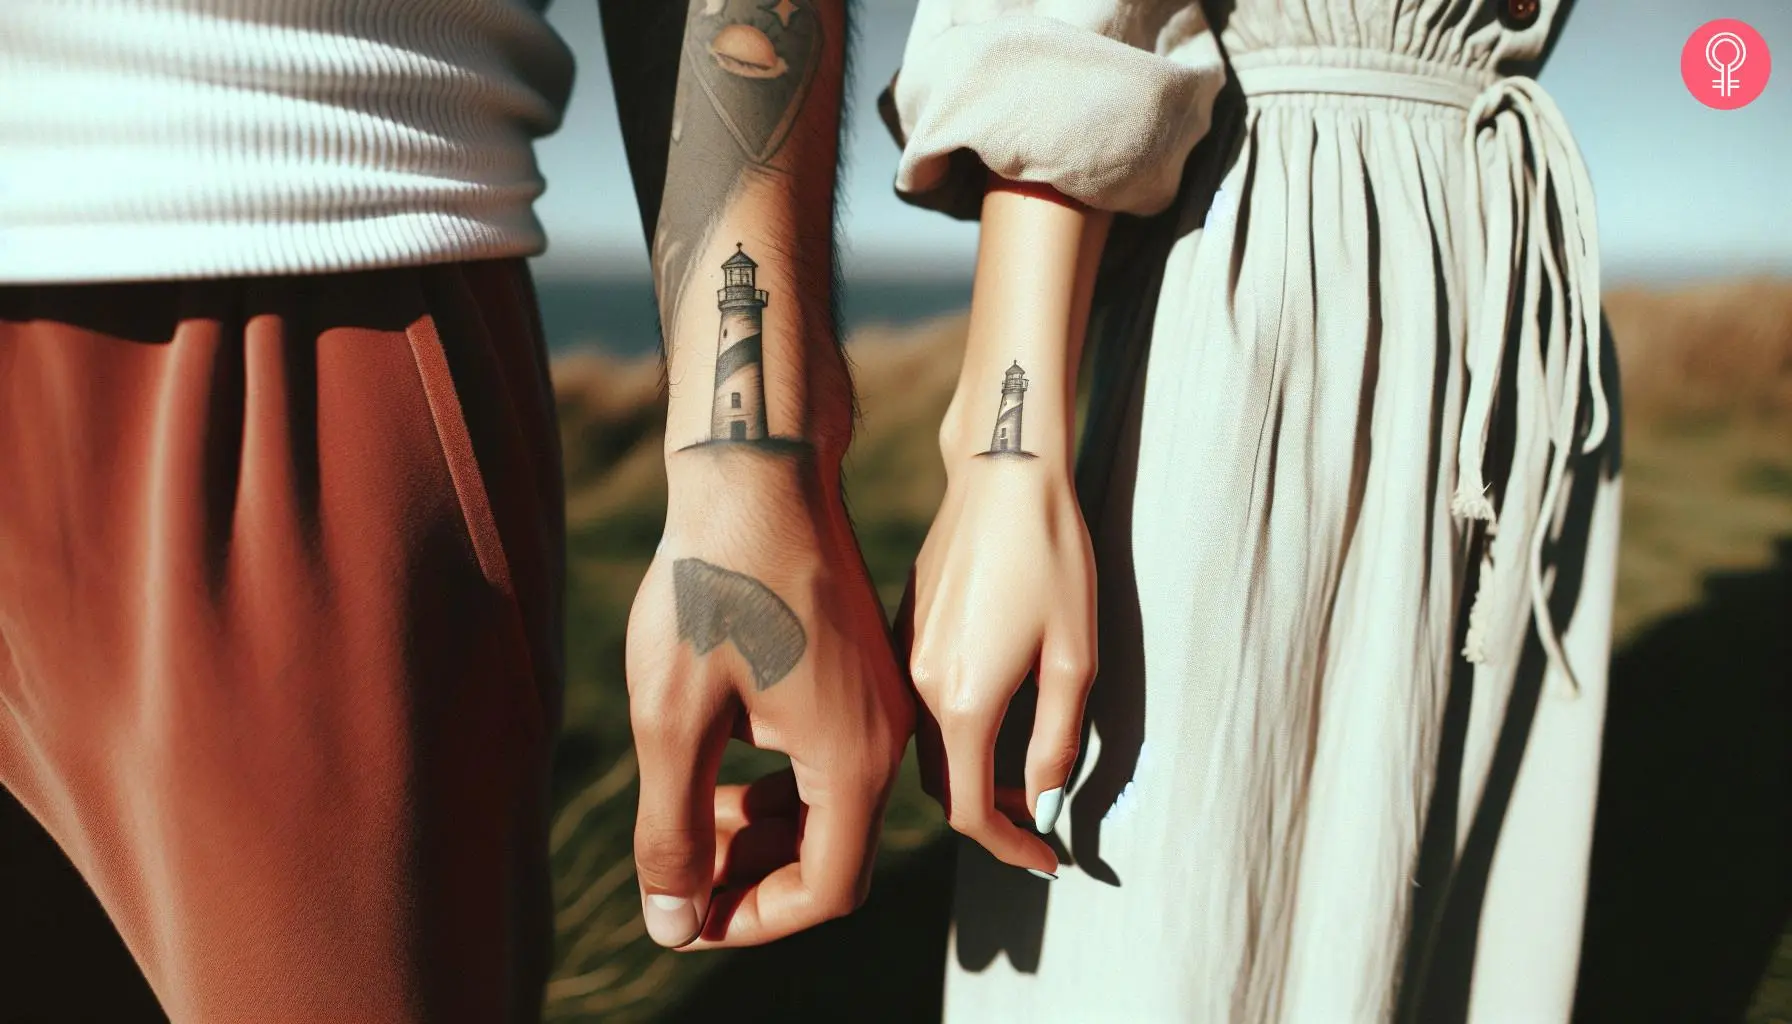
743 245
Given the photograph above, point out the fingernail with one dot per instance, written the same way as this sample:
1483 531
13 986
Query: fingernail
1036 873
671 920
1046 817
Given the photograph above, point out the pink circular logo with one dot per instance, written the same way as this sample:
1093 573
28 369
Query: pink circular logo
1726 64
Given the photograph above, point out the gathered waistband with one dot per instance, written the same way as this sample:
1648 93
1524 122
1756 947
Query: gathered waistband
1525 173
1373 82
1355 72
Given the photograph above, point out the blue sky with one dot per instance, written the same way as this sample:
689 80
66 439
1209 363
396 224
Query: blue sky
1684 192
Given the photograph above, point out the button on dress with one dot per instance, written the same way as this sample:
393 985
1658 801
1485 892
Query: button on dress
1352 475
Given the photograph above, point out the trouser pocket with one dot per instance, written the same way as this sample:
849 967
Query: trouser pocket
479 359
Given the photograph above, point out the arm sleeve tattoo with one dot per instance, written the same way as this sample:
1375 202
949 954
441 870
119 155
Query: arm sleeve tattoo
746 70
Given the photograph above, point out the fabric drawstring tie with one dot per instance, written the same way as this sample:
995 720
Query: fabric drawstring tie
1528 186
1515 228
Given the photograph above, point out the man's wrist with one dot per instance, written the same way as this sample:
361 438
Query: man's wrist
752 502
708 476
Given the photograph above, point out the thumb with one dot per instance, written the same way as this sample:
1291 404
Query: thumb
675 836
1064 682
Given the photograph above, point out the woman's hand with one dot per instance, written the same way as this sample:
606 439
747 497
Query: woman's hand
1004 587
1005 583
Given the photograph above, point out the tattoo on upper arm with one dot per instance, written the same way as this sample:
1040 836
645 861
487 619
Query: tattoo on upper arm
1005 440
748 67
716 605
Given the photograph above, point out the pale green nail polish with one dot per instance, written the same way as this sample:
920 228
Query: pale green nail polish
1036 873
1046 817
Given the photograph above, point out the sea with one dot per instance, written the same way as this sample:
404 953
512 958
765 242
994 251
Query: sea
616 315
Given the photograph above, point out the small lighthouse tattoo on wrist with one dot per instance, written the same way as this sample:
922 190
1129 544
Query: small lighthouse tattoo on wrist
737 414
1004 442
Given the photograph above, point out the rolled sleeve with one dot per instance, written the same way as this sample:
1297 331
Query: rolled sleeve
1101 99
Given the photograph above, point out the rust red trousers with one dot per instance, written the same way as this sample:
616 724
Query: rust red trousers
280 603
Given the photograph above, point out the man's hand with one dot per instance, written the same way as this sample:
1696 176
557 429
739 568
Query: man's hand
757 620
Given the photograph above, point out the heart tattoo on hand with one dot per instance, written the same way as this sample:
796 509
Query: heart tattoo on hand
716 605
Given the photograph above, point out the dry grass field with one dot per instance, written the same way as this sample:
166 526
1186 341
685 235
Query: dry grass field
1707 383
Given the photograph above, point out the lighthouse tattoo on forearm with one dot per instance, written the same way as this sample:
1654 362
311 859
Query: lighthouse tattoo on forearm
1005 440
737 410
743 79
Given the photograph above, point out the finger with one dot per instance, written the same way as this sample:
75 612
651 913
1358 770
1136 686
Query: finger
747 854
771 795
930 750
930 755
970 738
675 820
829 880
756 828
1064 680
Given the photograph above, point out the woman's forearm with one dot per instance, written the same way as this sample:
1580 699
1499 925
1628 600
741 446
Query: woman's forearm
1036 263
1008 544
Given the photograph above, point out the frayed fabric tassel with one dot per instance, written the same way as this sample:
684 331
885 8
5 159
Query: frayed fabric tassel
1472 503
1471 499
1474 644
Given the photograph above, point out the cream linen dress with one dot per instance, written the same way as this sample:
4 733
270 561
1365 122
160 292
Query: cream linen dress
1352 472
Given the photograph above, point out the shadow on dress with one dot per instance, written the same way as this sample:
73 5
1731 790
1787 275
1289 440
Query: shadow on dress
1688 892
1437 972
1690 888
1687 887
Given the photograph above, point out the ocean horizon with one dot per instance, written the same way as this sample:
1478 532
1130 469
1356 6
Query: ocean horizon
616 315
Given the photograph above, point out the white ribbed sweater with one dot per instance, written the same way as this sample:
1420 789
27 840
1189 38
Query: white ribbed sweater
155 139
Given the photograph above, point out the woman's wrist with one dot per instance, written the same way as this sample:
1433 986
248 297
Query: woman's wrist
1013 402
1016 397
968 441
